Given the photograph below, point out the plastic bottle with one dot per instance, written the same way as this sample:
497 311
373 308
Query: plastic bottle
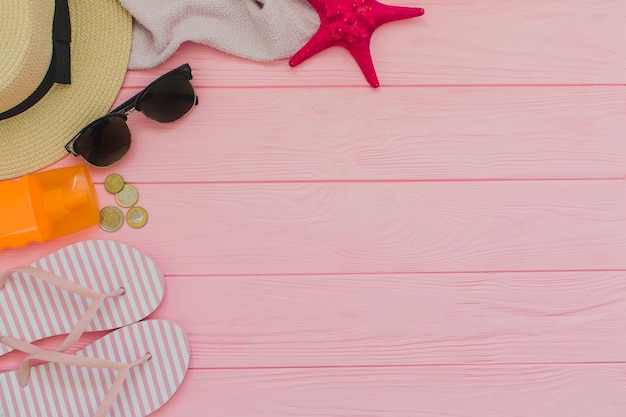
46 205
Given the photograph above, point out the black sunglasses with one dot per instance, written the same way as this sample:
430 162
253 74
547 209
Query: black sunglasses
106 140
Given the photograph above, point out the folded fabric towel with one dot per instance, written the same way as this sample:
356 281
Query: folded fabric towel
261 30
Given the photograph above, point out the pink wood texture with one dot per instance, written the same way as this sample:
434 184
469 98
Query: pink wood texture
451 244
312 134
495 391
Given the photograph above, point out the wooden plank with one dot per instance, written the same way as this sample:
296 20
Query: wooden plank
374 320
468 391
477 43
395 320
362 227
411 134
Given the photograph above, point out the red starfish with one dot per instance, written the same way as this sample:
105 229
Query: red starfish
351 23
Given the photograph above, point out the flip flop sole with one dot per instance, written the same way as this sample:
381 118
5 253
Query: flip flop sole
56 390
31 309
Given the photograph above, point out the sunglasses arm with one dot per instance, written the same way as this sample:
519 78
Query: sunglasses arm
127 106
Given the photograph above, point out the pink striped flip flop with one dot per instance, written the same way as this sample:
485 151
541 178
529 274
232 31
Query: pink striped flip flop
130 372
88 286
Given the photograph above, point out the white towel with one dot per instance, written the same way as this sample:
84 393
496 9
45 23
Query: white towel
262 30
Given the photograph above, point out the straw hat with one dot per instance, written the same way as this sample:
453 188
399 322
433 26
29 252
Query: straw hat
101 33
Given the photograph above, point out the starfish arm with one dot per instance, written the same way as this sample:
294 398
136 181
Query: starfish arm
350 23
386 13
362 55
319 42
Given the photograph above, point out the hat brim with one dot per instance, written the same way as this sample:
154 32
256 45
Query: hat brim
100 49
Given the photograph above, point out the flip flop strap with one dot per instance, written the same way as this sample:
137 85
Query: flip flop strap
35 352
65 284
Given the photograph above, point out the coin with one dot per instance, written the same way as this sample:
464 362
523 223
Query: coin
111 218
114 183
128 196
137 217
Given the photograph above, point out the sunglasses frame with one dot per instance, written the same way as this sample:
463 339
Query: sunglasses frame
123 110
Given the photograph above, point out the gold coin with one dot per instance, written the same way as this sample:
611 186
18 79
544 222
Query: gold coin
111 218
114 183
137 217
128 196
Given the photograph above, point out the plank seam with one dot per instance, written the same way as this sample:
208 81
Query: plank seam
435 365
375 273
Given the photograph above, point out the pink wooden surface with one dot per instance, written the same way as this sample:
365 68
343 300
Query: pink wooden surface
449 244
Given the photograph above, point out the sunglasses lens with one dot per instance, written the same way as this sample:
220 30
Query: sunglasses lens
104 142
169 99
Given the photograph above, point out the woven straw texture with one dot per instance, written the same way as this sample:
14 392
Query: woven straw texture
26 48
101 38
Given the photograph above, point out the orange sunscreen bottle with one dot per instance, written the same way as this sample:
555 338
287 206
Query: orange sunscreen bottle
46 205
